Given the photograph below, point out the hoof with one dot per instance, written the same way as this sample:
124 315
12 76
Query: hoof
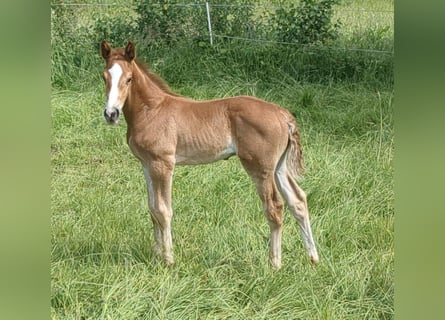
314 260
169 261
276 264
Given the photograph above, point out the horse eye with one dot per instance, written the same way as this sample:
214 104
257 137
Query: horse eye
128 80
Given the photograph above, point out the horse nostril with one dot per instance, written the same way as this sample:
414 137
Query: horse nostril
111 116
114 114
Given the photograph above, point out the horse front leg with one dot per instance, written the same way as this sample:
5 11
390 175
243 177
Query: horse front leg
159 183
157 235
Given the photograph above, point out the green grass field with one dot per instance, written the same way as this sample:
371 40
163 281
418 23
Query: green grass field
102 266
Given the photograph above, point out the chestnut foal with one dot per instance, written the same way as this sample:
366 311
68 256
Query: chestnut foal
165 129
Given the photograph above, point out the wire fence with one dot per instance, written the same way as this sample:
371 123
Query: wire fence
367 31
194 5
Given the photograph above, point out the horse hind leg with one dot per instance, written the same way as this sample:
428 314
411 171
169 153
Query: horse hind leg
273 208
296 200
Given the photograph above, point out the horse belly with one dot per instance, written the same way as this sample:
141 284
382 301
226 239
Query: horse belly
205 153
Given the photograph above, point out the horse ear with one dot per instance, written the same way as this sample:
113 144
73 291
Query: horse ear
130 51
105 49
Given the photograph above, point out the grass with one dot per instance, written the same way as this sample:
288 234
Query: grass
102 264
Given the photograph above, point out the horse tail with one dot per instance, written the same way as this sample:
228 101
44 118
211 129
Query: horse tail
294 151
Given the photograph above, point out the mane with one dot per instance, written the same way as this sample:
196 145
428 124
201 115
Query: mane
119 54
155 78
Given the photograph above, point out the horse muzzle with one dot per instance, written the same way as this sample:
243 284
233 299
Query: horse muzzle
112 117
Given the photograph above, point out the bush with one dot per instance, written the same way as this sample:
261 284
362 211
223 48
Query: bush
115 29
308 23
165 22
232 21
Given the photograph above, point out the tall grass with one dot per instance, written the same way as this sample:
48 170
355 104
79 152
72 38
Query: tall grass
102 265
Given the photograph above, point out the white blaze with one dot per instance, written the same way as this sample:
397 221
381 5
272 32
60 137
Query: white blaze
116 73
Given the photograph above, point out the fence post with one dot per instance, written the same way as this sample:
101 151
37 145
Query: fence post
209 23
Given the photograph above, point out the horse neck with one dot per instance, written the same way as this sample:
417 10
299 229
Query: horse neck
144 93
145 88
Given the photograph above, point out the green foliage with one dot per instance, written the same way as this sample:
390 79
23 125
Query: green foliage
75 36
115 29
158 20
232 21
70 47
77 30
165 22
309 22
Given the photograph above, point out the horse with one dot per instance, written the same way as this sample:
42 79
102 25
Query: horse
165 129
